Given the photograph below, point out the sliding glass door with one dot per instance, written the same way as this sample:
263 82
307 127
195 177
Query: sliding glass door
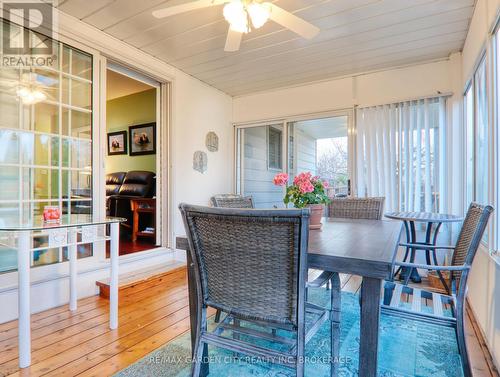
321 146
46 138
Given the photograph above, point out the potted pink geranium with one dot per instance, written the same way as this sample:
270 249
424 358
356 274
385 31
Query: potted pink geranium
306 191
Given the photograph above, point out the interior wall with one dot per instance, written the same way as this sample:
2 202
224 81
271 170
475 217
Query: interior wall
482 21
484 282
199 109
122 112
368 89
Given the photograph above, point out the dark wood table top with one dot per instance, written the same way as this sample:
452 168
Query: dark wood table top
359 247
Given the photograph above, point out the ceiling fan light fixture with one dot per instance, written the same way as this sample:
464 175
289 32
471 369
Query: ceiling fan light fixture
235 14
30 96
259 13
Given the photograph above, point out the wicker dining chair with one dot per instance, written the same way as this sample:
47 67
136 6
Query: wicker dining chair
228 248
356 208
400 299
232 201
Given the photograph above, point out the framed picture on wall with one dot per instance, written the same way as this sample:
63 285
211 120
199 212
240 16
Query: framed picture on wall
117 143
142 139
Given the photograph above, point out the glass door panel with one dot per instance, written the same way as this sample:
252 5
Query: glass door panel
320 147
46 137
260 158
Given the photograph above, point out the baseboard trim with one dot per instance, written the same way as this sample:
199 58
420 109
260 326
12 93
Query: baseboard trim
482 340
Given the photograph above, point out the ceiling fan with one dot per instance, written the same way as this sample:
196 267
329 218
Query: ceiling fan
29 87
244 16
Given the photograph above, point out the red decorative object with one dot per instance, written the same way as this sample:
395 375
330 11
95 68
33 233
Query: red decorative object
51 214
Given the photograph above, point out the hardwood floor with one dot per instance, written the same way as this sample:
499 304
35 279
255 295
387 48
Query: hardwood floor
129 247
151 314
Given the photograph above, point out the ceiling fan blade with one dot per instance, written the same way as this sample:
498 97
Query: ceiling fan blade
192 5
292 22
233 40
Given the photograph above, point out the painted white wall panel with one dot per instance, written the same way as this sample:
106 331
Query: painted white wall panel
368 89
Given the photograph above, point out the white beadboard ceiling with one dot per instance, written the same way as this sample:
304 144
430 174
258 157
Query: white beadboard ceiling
356 36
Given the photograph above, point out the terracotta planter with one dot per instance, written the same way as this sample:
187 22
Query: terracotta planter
316 215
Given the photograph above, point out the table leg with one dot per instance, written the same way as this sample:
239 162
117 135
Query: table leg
113 283
73 295
404 271
135 220
370 317
193 313
413 275
23 269
428 233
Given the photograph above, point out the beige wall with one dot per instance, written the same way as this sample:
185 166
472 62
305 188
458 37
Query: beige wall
198 109
485 14
368 89
484 283
122 112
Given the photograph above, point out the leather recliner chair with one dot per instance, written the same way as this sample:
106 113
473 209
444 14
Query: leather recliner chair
136 184
113 183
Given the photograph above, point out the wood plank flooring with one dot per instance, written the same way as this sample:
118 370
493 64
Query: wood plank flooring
152 313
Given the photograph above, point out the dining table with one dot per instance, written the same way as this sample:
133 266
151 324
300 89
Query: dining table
351 246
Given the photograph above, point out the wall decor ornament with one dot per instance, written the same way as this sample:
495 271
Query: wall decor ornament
212 141
200 161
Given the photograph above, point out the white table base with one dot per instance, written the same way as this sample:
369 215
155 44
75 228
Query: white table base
24 267
113 281
72 256
24 323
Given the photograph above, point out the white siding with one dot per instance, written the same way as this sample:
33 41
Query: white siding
258 179
305 152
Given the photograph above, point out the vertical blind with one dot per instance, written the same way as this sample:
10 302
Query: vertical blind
401 153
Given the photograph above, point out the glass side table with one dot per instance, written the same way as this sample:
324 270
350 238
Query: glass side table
62 234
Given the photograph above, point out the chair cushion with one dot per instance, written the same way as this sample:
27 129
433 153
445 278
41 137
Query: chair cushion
138 183
114 182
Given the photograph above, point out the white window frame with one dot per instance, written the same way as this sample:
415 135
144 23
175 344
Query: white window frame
489 56
272 128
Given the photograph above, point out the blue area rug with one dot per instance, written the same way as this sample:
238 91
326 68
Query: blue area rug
406 348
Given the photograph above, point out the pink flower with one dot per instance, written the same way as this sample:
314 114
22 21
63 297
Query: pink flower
302 178
280 179
306 187
325 184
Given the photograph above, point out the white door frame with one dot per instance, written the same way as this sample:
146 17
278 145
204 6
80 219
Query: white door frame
162 140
